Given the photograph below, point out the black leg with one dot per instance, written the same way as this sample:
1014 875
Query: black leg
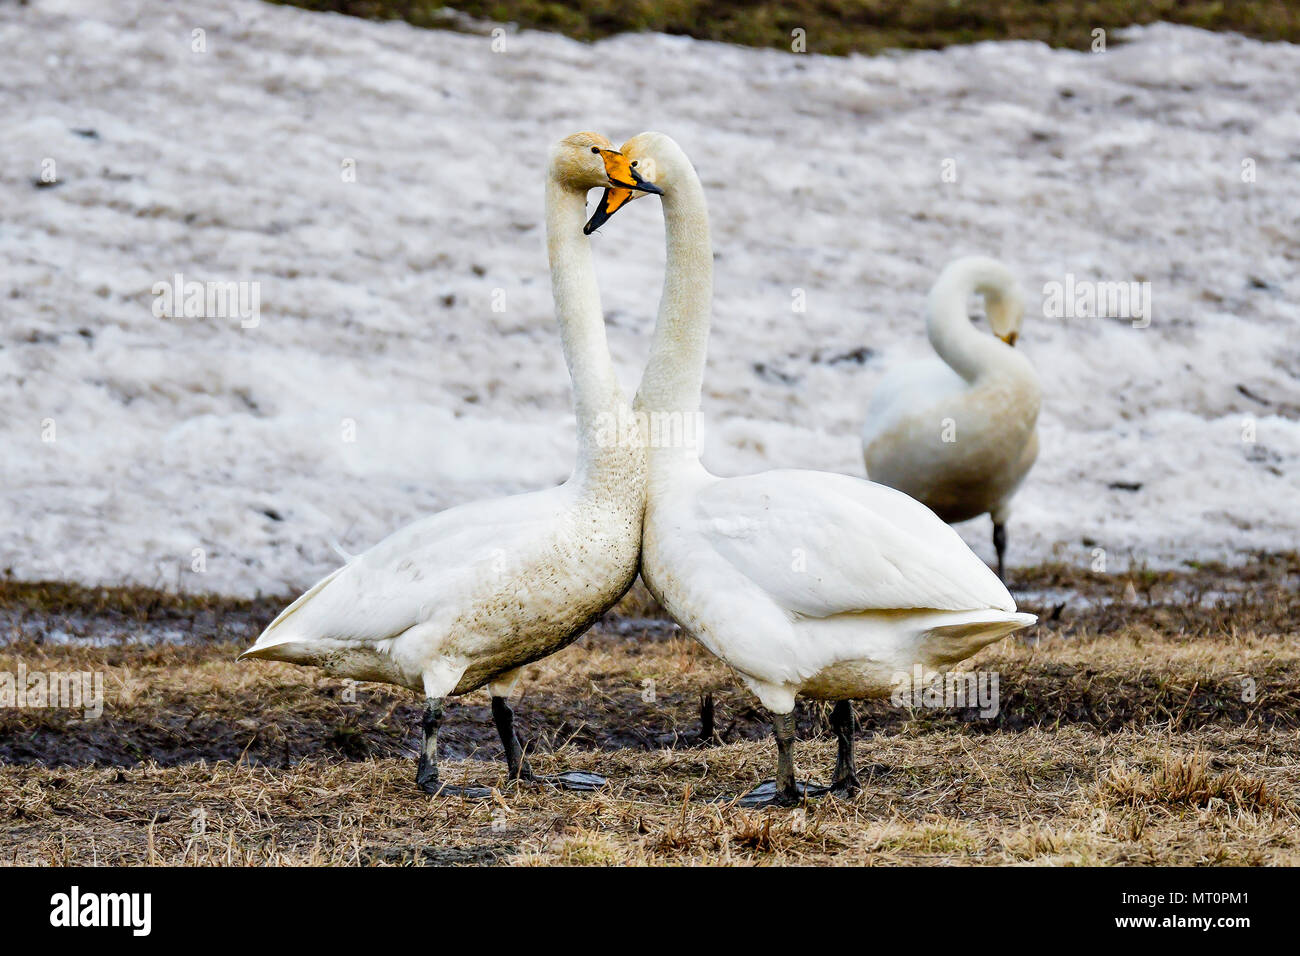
707 732
784 791
516 763
845 782
787 793
426 773
1000 546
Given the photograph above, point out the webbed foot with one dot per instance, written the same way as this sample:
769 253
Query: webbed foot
847 787
766 794
426 778
577 781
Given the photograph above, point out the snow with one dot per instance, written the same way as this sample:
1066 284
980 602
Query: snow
823 175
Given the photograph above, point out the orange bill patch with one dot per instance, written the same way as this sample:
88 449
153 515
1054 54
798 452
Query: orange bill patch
613 200
619 170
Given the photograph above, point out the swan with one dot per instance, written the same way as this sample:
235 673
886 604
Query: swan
469 595
804 582
957 432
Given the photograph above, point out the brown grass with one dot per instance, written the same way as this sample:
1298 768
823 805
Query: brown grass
1187 782
1125 737
839 26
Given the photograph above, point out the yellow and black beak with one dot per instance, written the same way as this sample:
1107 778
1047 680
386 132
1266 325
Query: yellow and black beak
611 201
1010 338
624 183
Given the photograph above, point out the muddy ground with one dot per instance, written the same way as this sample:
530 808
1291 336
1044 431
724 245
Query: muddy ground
1149 717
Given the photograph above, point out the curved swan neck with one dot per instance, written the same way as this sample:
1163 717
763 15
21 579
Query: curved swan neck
969 352
674 374
596 392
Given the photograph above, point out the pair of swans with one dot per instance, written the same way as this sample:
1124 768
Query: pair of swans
883 583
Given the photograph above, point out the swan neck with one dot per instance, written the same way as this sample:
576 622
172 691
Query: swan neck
967 351
597 396
674 375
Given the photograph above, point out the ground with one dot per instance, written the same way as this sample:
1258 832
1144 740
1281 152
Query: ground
1152 717
842 26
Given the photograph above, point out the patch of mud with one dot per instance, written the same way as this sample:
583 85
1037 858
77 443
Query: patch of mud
177 718
436 855
382 723
57 612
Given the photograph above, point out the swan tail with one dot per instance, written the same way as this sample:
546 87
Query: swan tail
958 636
271 643
267 648
997 624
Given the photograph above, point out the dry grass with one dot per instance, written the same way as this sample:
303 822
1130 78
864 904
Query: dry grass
1186 781
1124 738
839 26
1065 798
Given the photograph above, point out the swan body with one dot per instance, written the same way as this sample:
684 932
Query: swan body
817 584
957 432
467 596
453 601
803 582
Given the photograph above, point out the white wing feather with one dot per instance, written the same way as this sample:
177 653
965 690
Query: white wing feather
822 544
404 578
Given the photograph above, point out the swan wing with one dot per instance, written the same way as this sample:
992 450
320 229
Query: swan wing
409 576
823 544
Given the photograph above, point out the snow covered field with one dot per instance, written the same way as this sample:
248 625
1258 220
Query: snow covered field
376 296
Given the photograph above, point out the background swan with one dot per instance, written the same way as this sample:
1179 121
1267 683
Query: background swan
804 582
469 595
957 432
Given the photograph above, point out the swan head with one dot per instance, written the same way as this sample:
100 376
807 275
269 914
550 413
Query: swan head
651 160
1005 308
577 161
1004 303
585 161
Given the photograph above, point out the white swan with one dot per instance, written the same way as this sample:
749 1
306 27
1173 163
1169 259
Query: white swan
804 582
469 595
957 432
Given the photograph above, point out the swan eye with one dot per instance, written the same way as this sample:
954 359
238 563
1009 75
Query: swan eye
596 150
635 161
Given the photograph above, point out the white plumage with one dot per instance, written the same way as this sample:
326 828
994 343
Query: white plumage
452 601
792 577
468 596
957 432
804 582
